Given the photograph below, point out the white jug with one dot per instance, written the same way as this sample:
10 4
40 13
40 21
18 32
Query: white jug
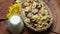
15 28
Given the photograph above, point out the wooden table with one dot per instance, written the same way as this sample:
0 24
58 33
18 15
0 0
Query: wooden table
54 6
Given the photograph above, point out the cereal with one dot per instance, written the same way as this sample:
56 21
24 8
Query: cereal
37 14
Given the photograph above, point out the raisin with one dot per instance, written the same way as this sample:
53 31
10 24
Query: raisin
23 6
37 7
30 2
26 14
48 22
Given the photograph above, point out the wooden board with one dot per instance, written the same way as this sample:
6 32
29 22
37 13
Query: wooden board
54 6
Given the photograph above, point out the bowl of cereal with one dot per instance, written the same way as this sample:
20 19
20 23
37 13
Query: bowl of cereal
36 15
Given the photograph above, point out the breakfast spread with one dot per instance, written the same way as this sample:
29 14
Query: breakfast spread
34 13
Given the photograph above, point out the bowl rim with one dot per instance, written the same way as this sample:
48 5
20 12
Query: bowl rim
51 20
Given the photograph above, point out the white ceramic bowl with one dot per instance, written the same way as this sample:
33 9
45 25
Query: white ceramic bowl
43 29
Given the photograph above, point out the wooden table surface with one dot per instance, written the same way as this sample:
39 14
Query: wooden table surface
54 6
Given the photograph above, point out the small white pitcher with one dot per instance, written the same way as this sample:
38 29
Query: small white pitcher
15 28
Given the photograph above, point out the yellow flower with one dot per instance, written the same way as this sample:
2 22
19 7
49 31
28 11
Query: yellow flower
13 9
8 15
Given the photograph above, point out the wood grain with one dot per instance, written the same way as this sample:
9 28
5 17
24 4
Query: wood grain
54 6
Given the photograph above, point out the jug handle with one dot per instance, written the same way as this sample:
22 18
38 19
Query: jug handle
3 19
